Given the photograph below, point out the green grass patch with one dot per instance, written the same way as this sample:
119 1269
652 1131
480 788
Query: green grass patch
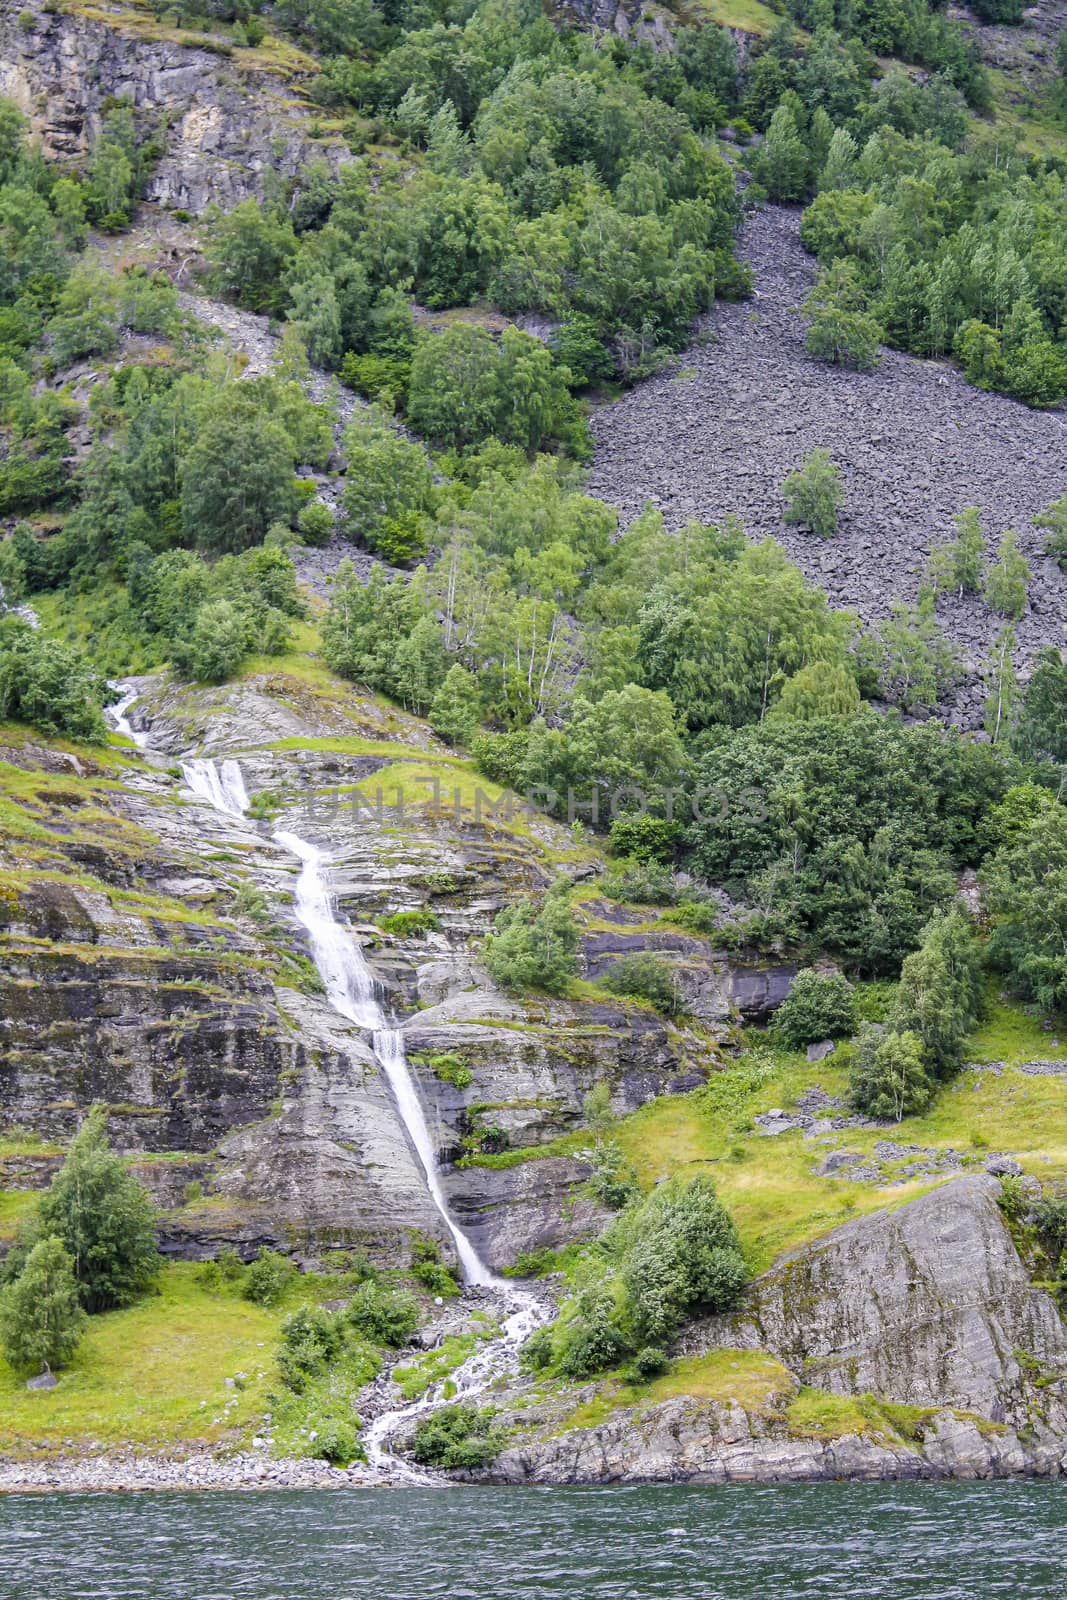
139 1375
751 1378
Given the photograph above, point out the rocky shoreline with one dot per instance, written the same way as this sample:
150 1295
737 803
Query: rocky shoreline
127 1473
684 1441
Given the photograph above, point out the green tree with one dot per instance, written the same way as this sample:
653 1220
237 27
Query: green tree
1002 686
1007 579
841 329
103 1217
823 689
388 476
960 564
1024 888
248 251
813 494
48 684
218 644
915 664
237 478
1040 733
782 164
1054 518
680 1251
457 706
535 949
940 991
888 1079
40 1318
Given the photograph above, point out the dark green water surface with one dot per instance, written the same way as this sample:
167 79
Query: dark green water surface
901 1542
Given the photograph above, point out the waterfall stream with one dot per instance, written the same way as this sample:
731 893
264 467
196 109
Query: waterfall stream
352 990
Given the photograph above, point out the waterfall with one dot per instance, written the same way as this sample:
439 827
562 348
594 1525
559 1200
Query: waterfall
119 720
350 989
220 784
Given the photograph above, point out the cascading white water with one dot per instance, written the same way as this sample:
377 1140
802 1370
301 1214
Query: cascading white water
120 721
350 989
221 784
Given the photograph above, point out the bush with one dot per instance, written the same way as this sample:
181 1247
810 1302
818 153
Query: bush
645 839
311 1340
819 1006
537 1351
40 1318
593 1341
382 1315
456 1437
316 523
1025 887
644 976
267 1278
337 1442
535 949
48 685
680 1251
410 924
813 495
649 1362
939 996
614 1182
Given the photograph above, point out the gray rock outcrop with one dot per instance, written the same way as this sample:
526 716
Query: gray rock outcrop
928 1305
229 118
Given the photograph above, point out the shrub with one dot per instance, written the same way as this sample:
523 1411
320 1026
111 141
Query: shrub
456 1437
535 949
813 495
410 924
593 1342
450 1069
436 1279
888 1079
267 1278
645 839
311 1339
644 976
614 1182
48 685
337 1442
382 1315
40 1318
1025 887
316 523
649 1362
820 1005
939 996
537 1351
680 1251
104 1219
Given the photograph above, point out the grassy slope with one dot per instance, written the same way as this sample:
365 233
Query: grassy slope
139 1375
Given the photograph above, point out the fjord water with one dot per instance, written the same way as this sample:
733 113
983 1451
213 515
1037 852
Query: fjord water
951 1541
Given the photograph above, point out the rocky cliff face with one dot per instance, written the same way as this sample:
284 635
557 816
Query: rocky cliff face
226 117
928 1308
152 961
929 1305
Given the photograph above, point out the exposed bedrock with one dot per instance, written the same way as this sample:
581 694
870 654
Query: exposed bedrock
228 121
929 1306
915 443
